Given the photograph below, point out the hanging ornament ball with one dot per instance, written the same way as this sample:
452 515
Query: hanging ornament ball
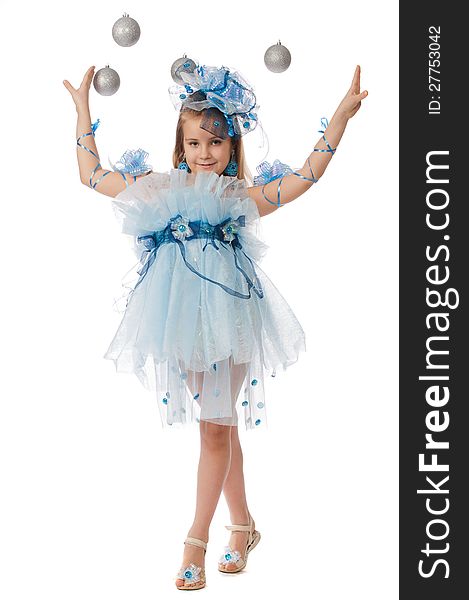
182 65
126 31
106 81
277 58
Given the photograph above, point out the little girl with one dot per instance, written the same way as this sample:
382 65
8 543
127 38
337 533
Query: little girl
203 323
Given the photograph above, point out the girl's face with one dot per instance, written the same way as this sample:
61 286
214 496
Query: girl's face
204 151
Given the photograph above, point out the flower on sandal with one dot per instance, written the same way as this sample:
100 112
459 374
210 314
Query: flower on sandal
190 573
229 556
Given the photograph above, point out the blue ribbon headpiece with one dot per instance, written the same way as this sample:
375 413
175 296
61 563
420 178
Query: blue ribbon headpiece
208 88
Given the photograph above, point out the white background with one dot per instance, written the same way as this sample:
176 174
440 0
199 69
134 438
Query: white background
96 498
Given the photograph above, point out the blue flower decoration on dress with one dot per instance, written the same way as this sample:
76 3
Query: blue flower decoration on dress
132 162
180 228
190 573
229 556
229 231
268 172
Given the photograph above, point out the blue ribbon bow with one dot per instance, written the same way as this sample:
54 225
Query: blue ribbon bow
132 162
269 172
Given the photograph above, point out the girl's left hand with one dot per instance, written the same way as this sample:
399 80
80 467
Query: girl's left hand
352 101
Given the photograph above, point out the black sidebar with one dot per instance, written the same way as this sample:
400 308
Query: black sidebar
434 315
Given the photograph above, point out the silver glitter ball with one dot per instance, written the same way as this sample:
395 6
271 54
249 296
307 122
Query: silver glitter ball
106 81
183 64
126 31
277 58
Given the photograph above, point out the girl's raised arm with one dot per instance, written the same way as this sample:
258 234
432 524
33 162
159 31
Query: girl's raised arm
89 164
282 190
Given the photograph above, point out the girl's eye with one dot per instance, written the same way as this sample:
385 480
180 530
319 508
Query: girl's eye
213 142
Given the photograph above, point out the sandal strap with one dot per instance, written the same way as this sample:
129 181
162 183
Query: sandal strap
196 542
238 527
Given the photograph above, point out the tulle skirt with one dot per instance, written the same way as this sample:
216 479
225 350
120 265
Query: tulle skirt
204 353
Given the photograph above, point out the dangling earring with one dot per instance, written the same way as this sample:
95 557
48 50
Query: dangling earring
183 166
232 167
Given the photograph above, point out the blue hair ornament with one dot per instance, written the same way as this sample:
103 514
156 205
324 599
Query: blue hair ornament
221 89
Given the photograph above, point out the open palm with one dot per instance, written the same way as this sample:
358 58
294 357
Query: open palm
352 100
81 95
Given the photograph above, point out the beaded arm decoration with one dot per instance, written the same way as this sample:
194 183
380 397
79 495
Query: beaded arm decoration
279 170
131 162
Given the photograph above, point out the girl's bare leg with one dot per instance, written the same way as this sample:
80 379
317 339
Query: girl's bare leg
214 463
235 495
234 489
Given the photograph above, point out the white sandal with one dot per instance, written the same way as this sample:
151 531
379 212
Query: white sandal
193 575
233 556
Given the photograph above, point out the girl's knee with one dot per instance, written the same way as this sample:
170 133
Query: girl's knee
214 433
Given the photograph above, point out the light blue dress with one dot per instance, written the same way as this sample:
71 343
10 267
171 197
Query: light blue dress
203 324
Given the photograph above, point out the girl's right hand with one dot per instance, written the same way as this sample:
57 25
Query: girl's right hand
81 95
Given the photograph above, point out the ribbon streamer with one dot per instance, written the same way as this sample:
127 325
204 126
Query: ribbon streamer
279 170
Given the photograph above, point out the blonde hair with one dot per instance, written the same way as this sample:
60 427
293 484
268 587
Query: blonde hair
236 145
